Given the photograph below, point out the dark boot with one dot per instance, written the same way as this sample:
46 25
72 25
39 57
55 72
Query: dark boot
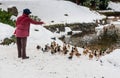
27 57
19 46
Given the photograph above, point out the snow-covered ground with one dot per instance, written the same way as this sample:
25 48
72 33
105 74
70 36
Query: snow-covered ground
45 65
114 6
4 33
55 10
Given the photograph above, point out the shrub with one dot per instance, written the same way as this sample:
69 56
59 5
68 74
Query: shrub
115 0
5 18
36 18
8 41
93 4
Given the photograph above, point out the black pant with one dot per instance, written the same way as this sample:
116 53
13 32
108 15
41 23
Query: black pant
21 46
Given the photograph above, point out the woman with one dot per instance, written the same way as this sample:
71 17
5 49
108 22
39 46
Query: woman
22 32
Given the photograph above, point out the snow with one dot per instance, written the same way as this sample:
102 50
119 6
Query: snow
5 31
55 10
45 65
116 23
114 61
42 35
114 5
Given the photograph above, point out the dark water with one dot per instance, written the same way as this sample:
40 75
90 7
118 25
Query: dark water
93 42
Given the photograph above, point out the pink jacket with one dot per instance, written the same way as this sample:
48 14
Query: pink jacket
23 25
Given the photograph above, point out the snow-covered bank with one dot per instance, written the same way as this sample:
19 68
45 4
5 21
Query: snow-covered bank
55 10
6 31
42 36
113 58
114 5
